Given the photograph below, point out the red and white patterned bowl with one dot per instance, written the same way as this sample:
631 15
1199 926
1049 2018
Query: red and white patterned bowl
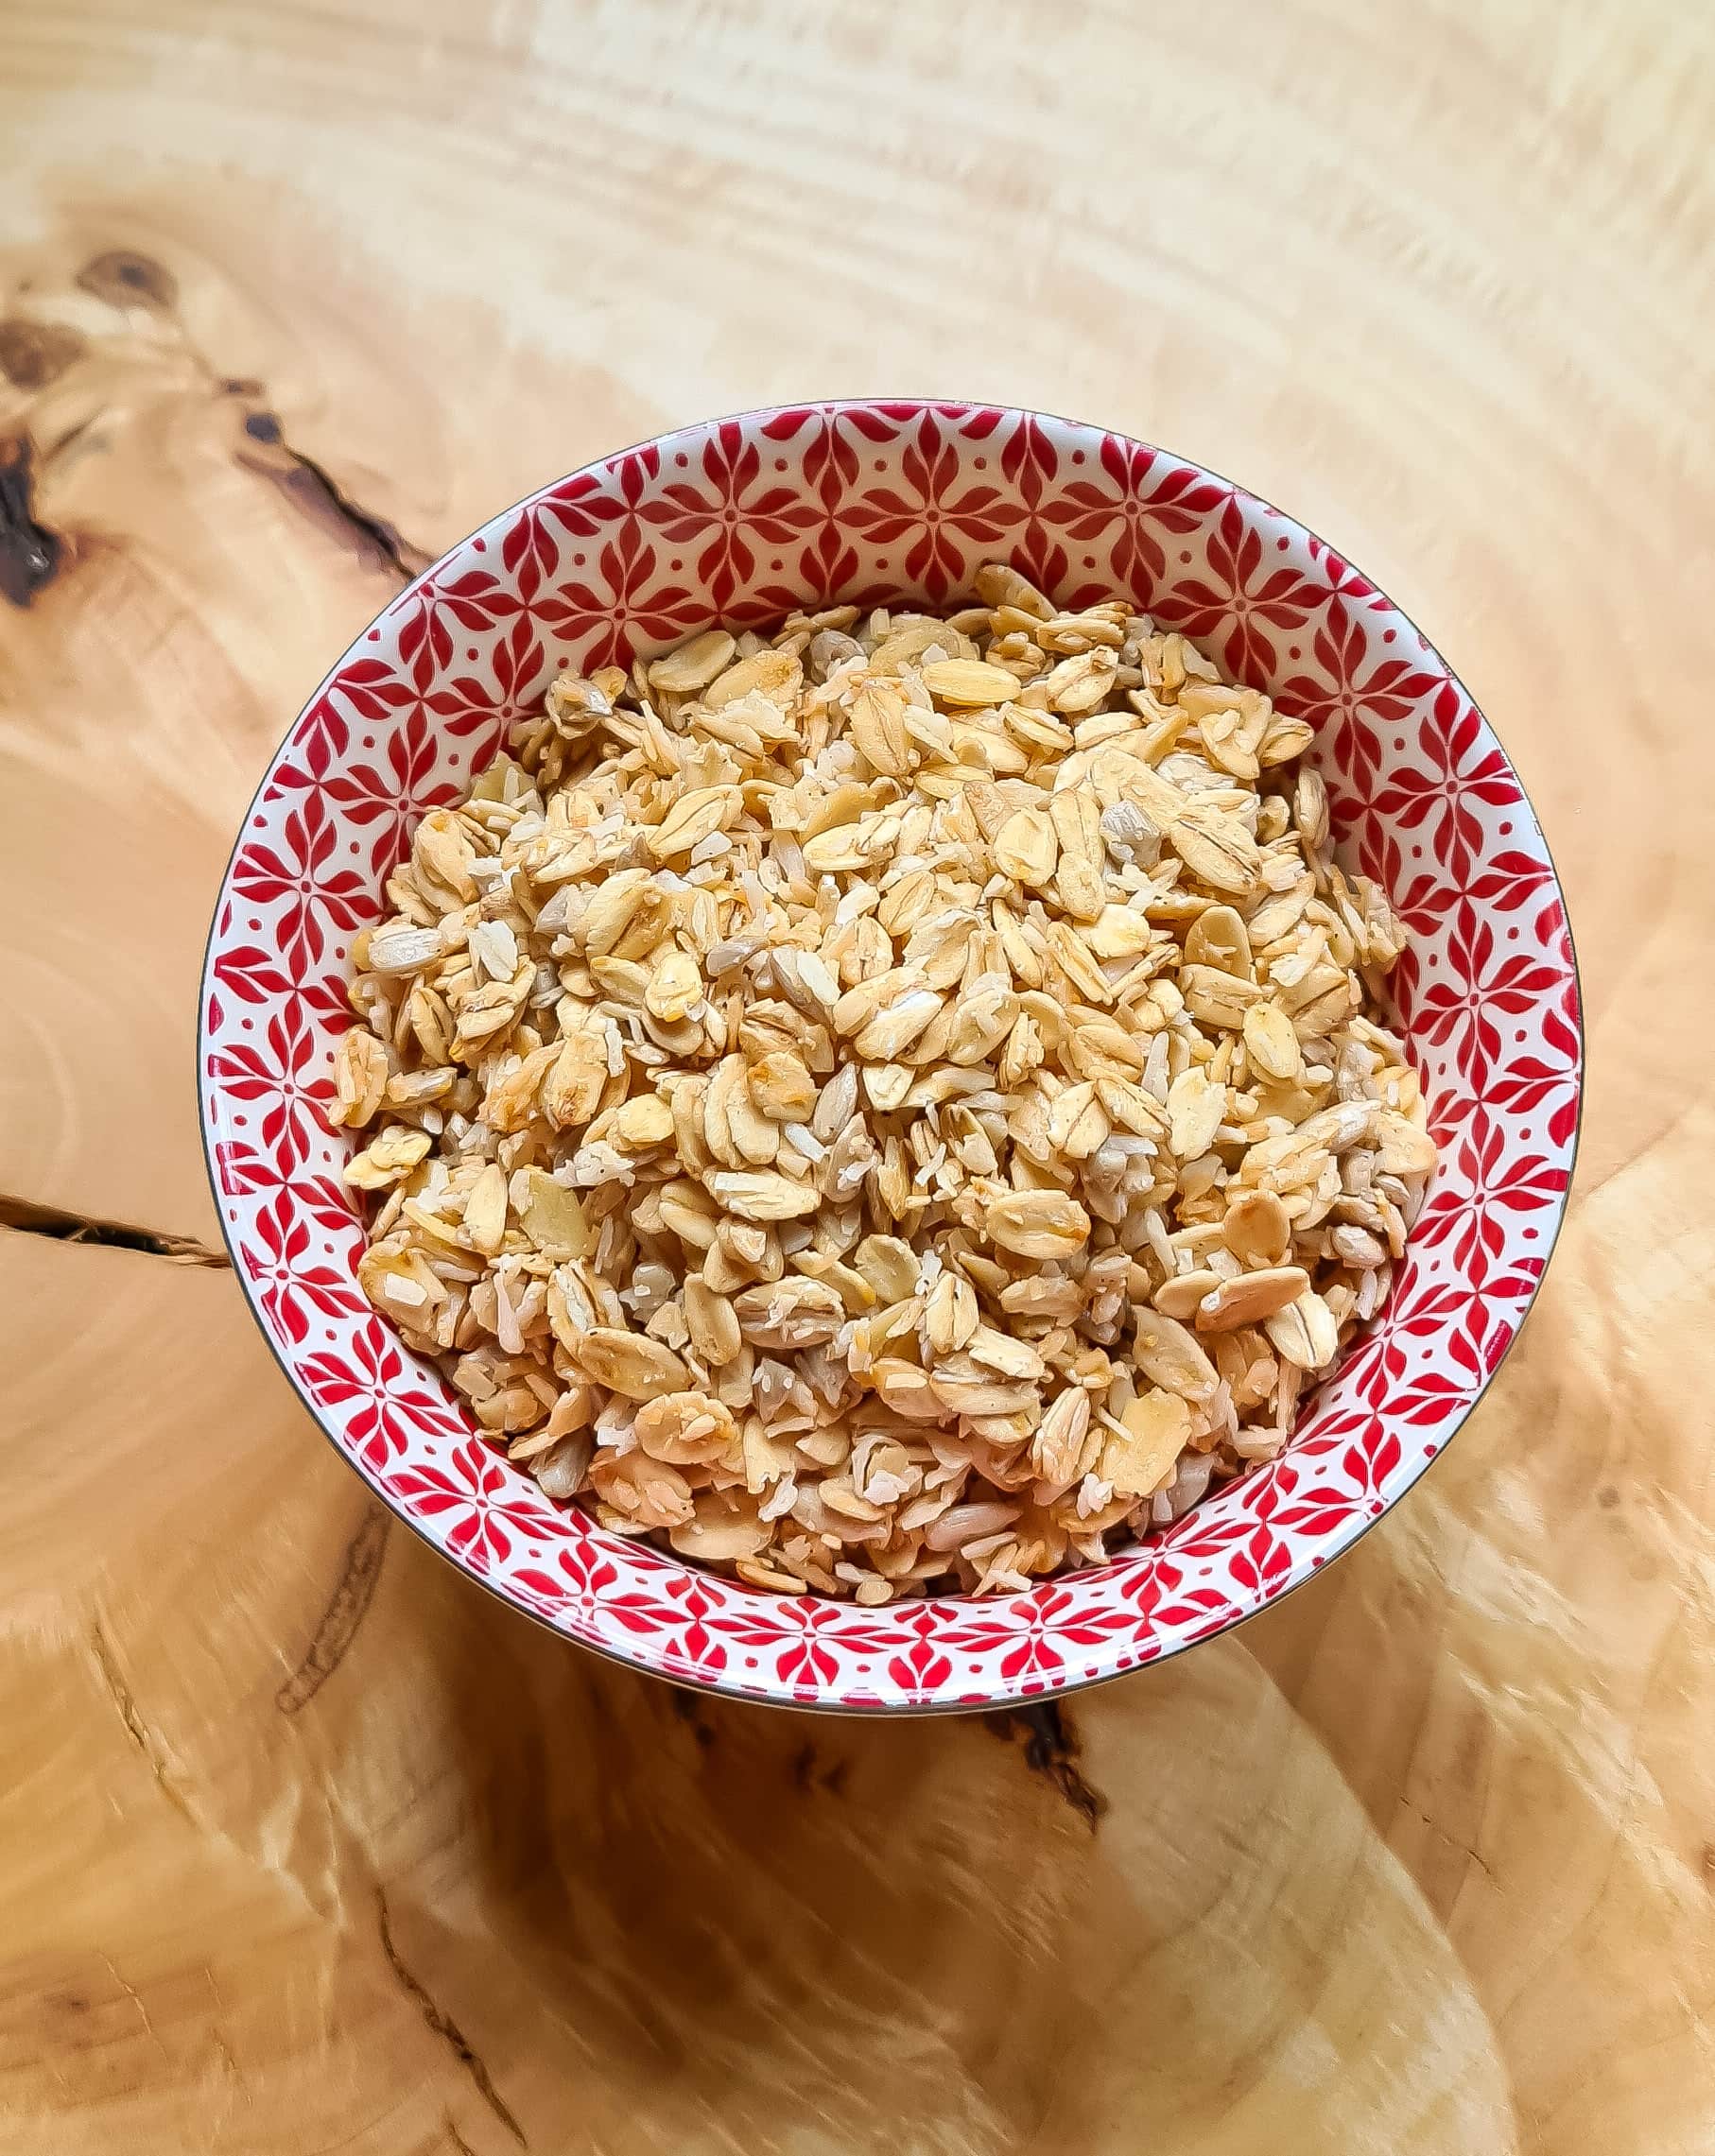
740 520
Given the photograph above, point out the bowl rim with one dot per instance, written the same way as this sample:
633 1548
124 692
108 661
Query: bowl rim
869 1708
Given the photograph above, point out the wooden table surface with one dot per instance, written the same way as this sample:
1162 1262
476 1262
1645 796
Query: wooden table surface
304 1844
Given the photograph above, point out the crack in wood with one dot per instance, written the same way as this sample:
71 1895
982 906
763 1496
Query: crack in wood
322 494
137 1727
135 1997
460 2145
69 439
688 1708
127 279
442 2026
26 1218
1453 1842
810 1772
29 553
1052 1749
358 1574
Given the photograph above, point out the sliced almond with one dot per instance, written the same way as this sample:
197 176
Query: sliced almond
485 1211
1180 1295
1258 1229
951 1314
967 683
1157 1429
1219 937
878 728
762 1195
388 1159
1305 1334
693 817
1057 1447
1026 848
711 1321
1038 1223
1402 1149
1250 1299
1196 1110
692 666
630 1364
675 988
553 1216
1169 1355
1216 848
782 1088
644 1121
775 676
1119 931
1272 1042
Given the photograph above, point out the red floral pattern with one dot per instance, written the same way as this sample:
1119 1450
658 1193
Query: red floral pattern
932 507
374 1387
1247 590
742 519
485 1507
737 512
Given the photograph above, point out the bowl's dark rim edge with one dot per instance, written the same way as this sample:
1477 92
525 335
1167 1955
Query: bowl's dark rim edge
1001 1701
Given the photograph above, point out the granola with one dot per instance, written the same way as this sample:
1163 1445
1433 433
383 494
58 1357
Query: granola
897 1106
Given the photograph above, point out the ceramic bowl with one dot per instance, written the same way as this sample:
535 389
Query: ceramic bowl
740 520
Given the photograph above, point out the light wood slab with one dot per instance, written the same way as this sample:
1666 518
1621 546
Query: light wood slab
304 1844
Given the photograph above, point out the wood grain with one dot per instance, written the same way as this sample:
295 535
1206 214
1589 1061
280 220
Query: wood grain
305 1844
